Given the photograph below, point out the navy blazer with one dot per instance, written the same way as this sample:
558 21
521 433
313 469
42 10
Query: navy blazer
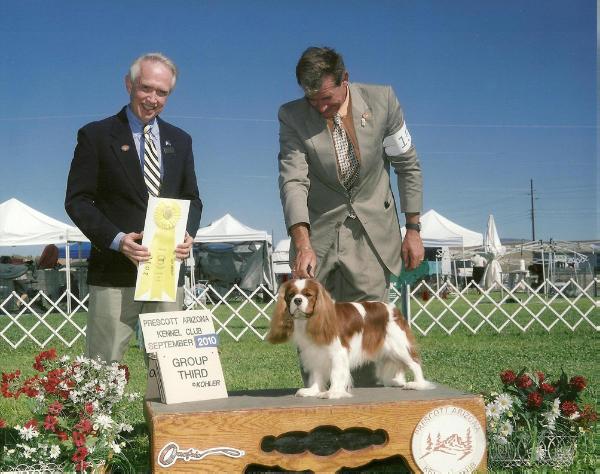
106 193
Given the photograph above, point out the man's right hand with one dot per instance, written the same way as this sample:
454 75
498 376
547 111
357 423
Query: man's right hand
132 250
306 258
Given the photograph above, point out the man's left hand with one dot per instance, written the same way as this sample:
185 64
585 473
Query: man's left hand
413 252
182 251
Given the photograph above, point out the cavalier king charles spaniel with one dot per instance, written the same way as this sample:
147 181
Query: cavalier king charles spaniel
334 338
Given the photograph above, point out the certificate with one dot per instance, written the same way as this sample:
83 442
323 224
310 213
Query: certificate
165 225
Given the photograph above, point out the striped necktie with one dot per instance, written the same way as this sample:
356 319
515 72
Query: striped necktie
349 165
151 164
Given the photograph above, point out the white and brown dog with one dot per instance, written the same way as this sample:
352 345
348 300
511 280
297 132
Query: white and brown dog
334 338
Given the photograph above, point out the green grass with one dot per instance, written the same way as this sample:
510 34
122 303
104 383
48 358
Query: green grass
461 360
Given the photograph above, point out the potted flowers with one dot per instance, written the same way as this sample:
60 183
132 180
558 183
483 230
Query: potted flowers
77 418
536 422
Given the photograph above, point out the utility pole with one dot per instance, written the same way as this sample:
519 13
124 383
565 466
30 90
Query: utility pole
532 211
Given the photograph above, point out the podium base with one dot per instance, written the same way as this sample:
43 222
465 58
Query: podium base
276 430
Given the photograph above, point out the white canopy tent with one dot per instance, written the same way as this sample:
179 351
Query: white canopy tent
23 225
281 258
243 240
438 231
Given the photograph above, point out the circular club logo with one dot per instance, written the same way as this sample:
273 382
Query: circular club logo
448 439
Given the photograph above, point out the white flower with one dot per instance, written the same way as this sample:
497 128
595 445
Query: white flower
54 451
575 416
65 358
556 407
493 411
81 360
540 453
125 427
506 429
500 439
115 448
103 421
504 402
28 433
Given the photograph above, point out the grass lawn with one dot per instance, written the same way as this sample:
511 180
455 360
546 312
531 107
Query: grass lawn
461 360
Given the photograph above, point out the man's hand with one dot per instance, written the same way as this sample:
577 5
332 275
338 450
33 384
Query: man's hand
182 251
305 263
132 250
412 250
306 259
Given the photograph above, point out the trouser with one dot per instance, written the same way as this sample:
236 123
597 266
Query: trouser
113 317
352 271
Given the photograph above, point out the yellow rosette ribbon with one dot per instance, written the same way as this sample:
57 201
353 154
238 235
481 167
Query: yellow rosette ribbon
158 275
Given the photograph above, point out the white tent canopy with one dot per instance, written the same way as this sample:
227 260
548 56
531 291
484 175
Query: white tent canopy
281 257
229 250
438 231
229 229
23 225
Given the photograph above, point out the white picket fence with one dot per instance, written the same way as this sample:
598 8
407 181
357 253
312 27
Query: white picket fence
239 313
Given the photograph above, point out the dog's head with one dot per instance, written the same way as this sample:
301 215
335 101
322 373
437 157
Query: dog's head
302 299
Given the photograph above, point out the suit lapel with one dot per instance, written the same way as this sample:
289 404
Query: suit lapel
168 156
360 110
126 153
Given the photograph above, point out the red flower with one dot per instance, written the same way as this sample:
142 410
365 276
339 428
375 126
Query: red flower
85 426
524 381
80 454
547 388
569 408
62 435
89 408
541 376
78 439
2 423
81 466
126 369
534 400
578 383
41 357
55 408
31 423
50 423
508 377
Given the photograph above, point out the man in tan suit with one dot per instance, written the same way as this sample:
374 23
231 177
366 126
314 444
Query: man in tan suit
336 147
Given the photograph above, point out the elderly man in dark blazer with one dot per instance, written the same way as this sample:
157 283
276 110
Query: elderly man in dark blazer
337 145
118 162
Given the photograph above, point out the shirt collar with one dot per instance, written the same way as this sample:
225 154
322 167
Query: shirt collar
137 126
344 107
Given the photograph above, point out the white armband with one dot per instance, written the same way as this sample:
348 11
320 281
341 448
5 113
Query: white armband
398 143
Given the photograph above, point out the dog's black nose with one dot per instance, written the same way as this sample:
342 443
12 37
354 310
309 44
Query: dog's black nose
297 301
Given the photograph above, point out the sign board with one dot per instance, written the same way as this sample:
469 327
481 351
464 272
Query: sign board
166 220
184 346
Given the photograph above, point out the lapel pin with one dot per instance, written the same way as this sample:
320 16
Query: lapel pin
167 143
363 119
124 147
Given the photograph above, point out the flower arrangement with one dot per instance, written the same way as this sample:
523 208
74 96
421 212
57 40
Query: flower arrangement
535 421
77 418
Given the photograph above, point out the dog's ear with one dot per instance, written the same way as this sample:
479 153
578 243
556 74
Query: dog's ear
281 321
323 324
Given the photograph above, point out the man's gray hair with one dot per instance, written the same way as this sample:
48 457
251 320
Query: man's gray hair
134 69
316 63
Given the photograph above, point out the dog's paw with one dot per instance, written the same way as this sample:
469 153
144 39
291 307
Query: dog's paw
308 392
423 385
333 395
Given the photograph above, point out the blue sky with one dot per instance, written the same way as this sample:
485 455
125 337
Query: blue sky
494 93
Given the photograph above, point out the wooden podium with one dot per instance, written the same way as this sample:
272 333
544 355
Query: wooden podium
274 429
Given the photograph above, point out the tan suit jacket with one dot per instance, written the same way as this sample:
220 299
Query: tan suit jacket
309 184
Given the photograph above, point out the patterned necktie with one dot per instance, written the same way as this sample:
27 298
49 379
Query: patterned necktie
349 165
151 164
